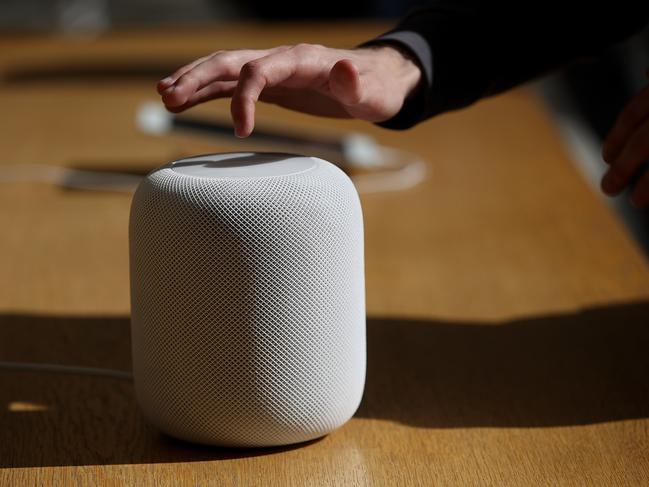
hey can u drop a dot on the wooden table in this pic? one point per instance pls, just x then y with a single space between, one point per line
508 309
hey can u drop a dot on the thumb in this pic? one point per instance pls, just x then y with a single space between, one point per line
345 83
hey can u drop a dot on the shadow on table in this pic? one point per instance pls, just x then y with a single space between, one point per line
569 369
572 369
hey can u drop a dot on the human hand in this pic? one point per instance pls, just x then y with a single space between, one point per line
626 148
366 83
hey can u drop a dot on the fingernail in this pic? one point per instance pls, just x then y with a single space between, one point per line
166 81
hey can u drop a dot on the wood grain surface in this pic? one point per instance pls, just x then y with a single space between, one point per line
508 310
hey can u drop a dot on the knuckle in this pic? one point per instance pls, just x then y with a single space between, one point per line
250 69
254 71
223 56
305 48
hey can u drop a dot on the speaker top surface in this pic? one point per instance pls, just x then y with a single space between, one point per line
243 165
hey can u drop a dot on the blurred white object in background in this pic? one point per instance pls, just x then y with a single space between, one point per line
82 15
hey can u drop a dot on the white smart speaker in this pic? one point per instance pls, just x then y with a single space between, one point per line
248 301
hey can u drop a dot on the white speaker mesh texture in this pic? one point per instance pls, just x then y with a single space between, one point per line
248 313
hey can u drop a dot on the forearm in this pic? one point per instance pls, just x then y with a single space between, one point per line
470 49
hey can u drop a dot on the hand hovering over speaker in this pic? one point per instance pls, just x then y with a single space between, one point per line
626 149
367 83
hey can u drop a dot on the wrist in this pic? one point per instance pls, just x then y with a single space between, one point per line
402 66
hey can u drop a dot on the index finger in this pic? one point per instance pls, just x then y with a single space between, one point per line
165 83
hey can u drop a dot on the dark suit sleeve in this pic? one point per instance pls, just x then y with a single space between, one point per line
469 49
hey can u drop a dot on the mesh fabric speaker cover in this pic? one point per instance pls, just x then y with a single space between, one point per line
248 312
